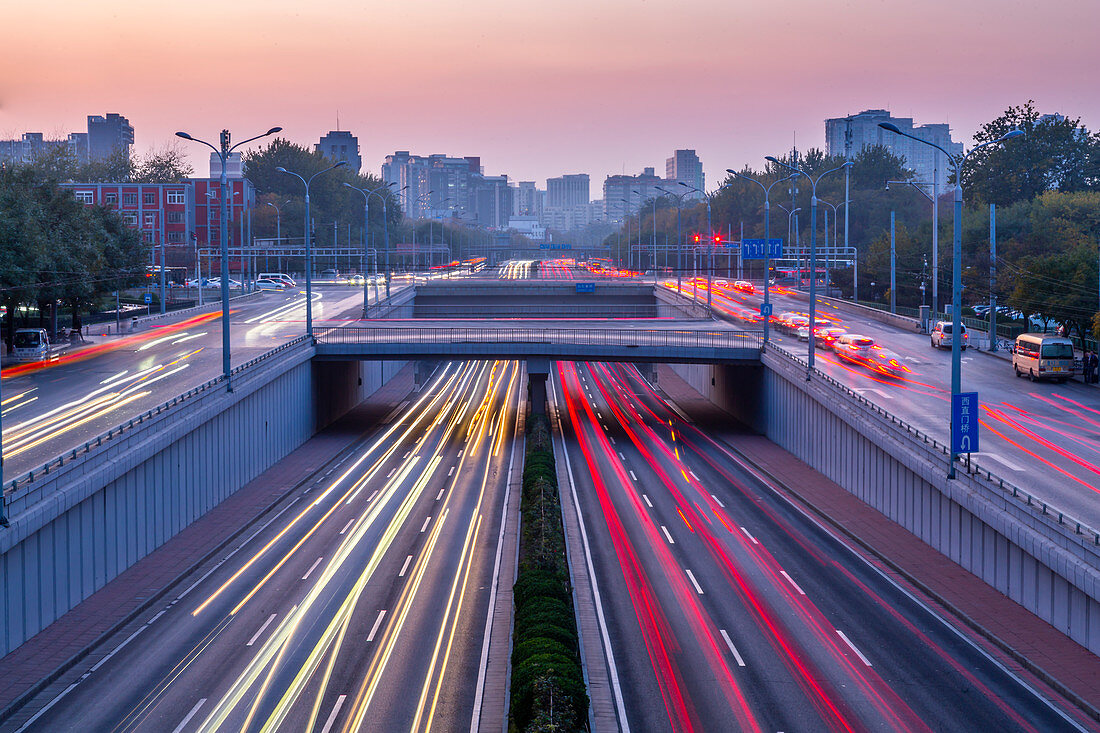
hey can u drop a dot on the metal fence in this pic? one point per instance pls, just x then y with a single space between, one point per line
659 338
130 424
1002 489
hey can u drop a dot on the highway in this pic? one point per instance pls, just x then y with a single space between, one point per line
1042 437
728 610
360 604
56 406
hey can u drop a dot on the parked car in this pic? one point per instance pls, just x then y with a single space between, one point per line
941 335
1042 356
269 284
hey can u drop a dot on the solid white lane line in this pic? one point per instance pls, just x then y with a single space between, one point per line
647 501
633 476
733 649
425 525
1002 460
667 535
405 566
451 471
439 495
348 525
256 636
859 654
791 581
186 720
718 500
311 567
694 581
747 534
377 623
49 705
332 716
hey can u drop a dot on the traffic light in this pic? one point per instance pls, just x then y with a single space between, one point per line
696 238
717 239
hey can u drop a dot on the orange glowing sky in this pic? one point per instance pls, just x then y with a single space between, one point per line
541 89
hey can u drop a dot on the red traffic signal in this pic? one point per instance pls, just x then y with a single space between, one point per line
717 238
696 238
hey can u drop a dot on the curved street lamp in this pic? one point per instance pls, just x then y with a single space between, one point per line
957 162
765 310
813 245
367 193
223 155
309 241
679 234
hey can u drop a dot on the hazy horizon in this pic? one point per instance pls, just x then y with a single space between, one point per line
540 91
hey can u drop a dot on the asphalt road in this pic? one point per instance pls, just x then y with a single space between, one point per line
728 610
360 604
51 408
1043 437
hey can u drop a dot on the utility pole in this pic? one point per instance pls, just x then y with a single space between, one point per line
893 269
992 277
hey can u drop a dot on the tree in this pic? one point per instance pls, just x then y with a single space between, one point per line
167 165
1055 153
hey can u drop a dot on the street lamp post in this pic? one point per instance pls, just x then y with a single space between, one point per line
813 247
957 162
626 216
679 235
836 216
367 193
309 242
934 197
710 238
767 235
223 155
278 230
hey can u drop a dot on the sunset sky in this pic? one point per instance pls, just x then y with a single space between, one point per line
542 89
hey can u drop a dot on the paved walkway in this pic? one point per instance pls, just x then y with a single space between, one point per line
1027 642
75 635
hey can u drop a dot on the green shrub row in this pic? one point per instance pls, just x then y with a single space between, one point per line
548 692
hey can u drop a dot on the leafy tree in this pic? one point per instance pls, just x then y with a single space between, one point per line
1055 153
167 165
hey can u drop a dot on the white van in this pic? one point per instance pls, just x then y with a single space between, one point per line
30 344
1043 356
279 277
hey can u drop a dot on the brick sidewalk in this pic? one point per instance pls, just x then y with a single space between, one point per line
73 636
1032 643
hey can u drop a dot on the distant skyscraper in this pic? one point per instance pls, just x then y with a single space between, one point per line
567 191
618 188
109 135
528 200
437 183
684 166
862 130
341 145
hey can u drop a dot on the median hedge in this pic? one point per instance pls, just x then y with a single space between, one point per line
548 691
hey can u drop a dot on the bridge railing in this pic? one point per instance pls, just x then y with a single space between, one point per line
623 337
997 486
136 421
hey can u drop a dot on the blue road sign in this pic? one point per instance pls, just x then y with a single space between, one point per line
964 422
753 249
555 245
766 309
148 299
586 287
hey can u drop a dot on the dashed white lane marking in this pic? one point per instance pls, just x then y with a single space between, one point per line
859 654
621 456
371 497
877 392
312 567
694 582
599 414
407 454
718 500
377 623
633 476
791 581
348 525
647 501
1003 461
256 636
439 495
391 473
425 525
667 535
733 649
611 439
405 566
451 471
693 474
747 534
332 716
187 719
117 649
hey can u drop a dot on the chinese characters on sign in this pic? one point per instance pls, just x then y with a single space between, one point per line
964 422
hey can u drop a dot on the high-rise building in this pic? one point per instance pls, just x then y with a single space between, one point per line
618 191
528 200
567 191
234 167
684 167
109 135
438 183
849 135
341 145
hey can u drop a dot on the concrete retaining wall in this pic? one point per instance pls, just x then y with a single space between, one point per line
76 528
1044 564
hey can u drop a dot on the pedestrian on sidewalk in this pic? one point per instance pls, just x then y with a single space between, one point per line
77 330
1086 367
1094 364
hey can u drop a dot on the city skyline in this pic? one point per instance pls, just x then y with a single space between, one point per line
605 89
